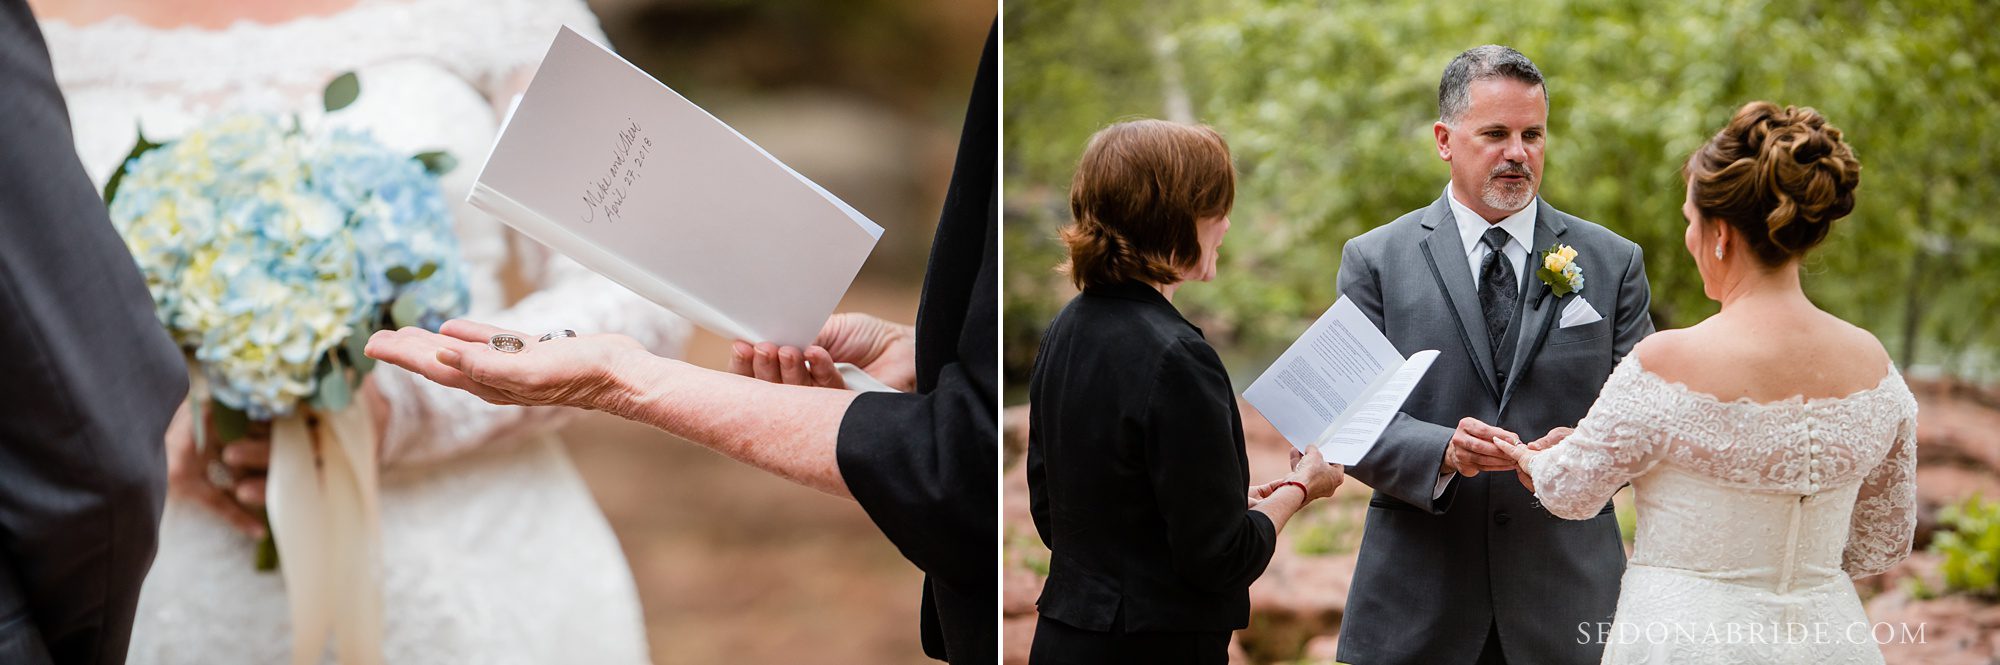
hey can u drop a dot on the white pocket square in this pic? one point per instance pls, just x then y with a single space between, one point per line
1579 312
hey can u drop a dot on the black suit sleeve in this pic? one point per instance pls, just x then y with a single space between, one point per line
1195 463
88 382
1038 498
924 464
1037 465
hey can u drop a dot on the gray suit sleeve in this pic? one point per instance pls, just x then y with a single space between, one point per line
1404 462
1634 316
88 382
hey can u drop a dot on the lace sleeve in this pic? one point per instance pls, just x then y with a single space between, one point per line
1885 512
1618 440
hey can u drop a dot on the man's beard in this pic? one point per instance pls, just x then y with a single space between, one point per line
1512 198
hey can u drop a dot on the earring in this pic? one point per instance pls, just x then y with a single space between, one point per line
1718 252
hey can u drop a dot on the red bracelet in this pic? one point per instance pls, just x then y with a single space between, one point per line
1304 496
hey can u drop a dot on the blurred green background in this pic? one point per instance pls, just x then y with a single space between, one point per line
1328 109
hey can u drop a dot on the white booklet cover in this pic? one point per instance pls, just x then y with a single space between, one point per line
1338 385
607 165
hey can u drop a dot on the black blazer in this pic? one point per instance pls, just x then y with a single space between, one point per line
1136 471
88 381
924 464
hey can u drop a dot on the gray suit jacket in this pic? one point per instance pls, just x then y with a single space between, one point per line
88 381
1436 574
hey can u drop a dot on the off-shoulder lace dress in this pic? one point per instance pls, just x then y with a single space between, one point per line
1752 517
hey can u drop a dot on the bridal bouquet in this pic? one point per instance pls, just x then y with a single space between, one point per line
272 254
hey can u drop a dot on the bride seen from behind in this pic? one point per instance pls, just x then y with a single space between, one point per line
493 549
1771 447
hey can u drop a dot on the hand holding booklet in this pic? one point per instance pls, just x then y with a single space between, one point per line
1338 385
605 164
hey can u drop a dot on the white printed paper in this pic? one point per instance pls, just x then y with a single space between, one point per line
605 164
1338 385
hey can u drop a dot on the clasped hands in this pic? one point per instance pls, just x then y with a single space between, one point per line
1477 447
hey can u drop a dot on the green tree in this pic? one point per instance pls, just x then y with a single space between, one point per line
1328 110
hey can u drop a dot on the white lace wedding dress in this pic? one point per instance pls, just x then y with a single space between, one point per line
494 550
1751 516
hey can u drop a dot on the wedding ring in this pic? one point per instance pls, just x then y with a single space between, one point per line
506 343
219 475
558 333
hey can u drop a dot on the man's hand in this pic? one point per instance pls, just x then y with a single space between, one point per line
1471 449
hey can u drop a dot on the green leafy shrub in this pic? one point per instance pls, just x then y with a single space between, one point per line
1969 542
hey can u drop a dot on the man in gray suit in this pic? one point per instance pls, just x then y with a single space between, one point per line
88 383
1459 564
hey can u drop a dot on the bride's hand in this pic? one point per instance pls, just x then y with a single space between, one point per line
569 371
1550 440
1521 453
886 351
221 477
229 477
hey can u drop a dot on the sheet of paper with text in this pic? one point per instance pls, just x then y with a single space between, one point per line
1338 386
607 165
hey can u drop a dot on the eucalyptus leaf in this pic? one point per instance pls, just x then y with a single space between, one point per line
429 268
437 162
139 147
405 312
342 91
334 392
401 275
230 424
267 547
356 347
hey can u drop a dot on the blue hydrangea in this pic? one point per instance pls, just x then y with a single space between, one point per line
265 249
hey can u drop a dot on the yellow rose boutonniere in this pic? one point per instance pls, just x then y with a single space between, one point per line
1560 271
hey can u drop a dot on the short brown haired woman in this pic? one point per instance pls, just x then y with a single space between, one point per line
1136 470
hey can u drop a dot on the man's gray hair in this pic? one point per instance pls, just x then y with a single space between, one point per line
1479 63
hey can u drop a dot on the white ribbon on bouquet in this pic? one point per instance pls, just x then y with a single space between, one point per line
326 519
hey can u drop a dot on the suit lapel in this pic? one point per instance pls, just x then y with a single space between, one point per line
1446 254
1540 316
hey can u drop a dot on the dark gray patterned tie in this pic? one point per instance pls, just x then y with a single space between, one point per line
1498 295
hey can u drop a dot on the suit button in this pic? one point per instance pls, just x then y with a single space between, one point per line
1501 517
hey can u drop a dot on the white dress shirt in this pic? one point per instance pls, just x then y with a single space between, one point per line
1520 228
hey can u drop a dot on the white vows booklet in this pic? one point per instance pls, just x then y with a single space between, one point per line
605 164
1338 385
